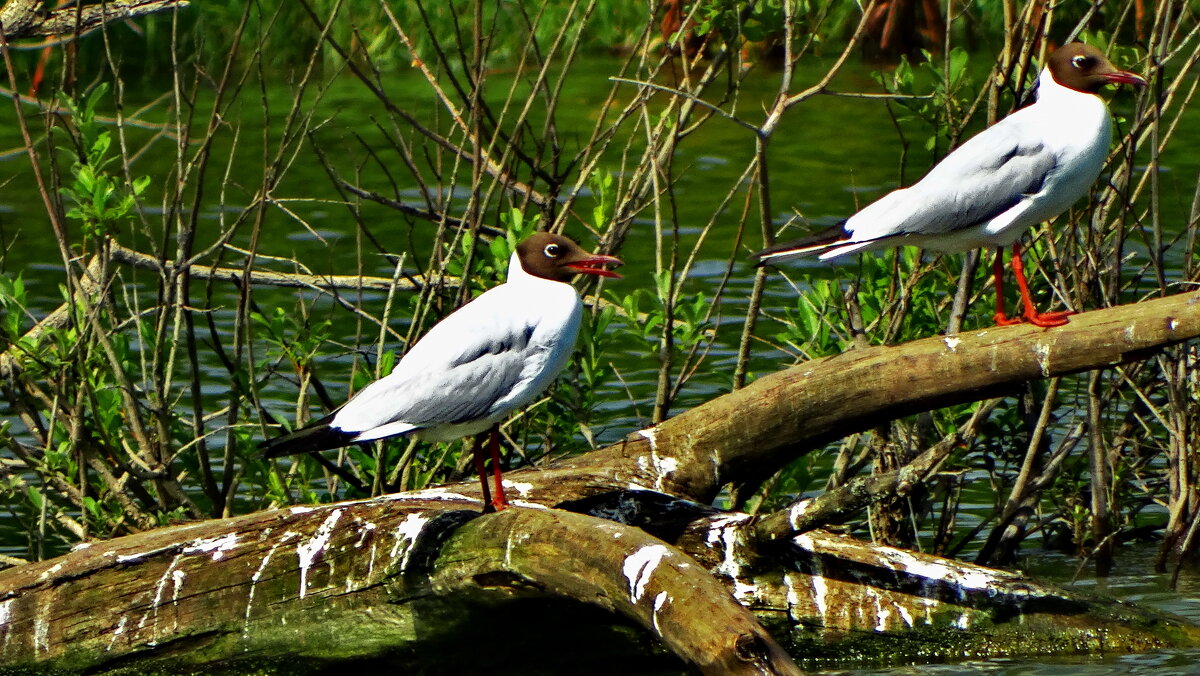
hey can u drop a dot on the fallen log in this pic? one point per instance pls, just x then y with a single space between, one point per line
395 573
359 579
381 580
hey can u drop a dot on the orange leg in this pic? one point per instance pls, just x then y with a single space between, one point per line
1000 318
1031 315
477 451
494 447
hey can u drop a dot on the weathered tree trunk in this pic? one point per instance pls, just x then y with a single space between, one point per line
382 579
385 579
363 579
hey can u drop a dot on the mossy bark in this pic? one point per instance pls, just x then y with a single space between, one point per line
396 580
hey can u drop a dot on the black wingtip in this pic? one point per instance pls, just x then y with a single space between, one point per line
805 246
319 436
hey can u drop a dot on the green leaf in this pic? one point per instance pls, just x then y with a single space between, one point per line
958 63
35 498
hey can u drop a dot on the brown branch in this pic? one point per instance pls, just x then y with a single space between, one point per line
89 284
755 430
60 316
296 280
837 505
22 18
415 212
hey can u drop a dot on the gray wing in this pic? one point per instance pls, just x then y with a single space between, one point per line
466 392
457 372
983 178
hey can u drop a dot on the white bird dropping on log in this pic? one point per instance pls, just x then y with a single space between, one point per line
487 359
1027 168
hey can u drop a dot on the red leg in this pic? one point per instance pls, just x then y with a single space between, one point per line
494 446
1000 318
1042 319
477 451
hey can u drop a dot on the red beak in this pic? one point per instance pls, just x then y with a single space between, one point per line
593 265
1125 77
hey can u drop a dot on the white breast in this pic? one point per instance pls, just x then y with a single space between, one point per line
1076 127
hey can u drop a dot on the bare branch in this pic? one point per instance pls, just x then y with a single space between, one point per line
21 18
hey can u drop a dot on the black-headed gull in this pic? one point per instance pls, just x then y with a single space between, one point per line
485 360
1025 169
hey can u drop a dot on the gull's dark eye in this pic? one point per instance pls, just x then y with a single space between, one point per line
552 250
1080 61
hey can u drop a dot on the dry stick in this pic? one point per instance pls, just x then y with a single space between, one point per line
31 459
539 83
691 363
762 136
410 210
1140 130
1021 485
296 127
11 358
667 334
1110 204
175 298
295 280
18 480
590 156
666 141
478 108
489 166
379 480
1101 477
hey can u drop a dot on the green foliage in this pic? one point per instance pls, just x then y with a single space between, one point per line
601 184
101 201
293 337
807 328
12 299
482 267
573 402
934 93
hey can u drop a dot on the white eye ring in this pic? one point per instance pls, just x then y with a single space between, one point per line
1079 61
552 250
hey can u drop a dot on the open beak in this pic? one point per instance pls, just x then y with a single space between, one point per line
1125 77
594 264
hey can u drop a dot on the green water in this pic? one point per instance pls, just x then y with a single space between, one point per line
830 155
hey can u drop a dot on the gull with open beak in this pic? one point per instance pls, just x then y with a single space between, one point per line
489 358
